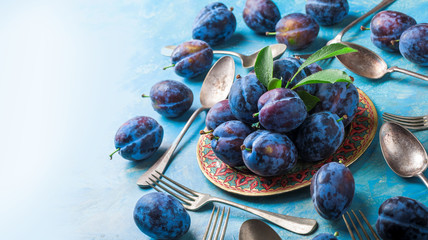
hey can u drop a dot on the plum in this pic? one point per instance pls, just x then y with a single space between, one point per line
340 98
227 140
192 58
281 110
414 44
327 12
215 24
313 68
218 114
296 30
161 216
402 218
171 98
138 138
332 190
325 236
243 97
319 136
387 26
285 69
268 154
261 15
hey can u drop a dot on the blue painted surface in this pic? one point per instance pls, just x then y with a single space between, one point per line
72 72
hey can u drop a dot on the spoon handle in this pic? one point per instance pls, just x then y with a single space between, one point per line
162 162
405 71
227 53
423 178
381 5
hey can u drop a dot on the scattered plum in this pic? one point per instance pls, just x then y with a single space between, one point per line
386 28
285 69
340 98
327 12
161 216
332 190
268 154
326 236
214 24
171 98
414 44
218 114
191 58
402 218
296 30
281 110
261 15
319 136
138 138
227 140
243 97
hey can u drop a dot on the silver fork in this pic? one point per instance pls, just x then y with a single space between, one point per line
193 200
223 232
360 224
415 123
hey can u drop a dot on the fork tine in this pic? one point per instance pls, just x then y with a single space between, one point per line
355 227
194 193
409 126
361 225
174 188
368 224
215 223
225 225
418 120
348 227
404 117
219 224
168 191
405 121
209 224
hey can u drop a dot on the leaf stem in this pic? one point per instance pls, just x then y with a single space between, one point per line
111 155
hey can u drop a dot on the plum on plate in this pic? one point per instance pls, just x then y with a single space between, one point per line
285 68
138 138
332 190
414 44
261 15
218 114
327 12
161 216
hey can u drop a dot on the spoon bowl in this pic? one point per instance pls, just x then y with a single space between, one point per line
403 152
254 229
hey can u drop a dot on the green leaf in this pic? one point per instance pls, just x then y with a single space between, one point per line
309 100
263 66
328 51
325 76
274 83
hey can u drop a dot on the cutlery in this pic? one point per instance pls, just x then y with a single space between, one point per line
193 200
255 229
403 152
415 123
223 232
339 36
246 60
360 224
215 88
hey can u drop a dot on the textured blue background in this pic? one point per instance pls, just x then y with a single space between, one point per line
71 72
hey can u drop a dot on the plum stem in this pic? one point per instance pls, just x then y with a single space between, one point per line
231 9
255 115
364 28
243 147
238 76
256 125
144 95
343 117
211 137
111 155
202 132
288 83
336 234
270 33
170 66
393 42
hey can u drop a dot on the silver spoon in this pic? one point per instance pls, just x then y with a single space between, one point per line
215 88
254 229
403 152
246 60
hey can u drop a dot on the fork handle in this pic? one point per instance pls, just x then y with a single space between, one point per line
294 224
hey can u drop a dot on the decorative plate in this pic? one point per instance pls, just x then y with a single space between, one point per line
241 181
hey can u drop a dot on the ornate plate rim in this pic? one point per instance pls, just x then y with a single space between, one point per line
308 182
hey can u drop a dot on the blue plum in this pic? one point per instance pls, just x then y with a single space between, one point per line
138 138
268 154
171 98
215 24
218 114
319 136
325 236
192 58
327 12
161 216
285 69
261 15
243 97
313 68
227 140
332 190
402 218
414 44
296 30
387 26
281 110
340 98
